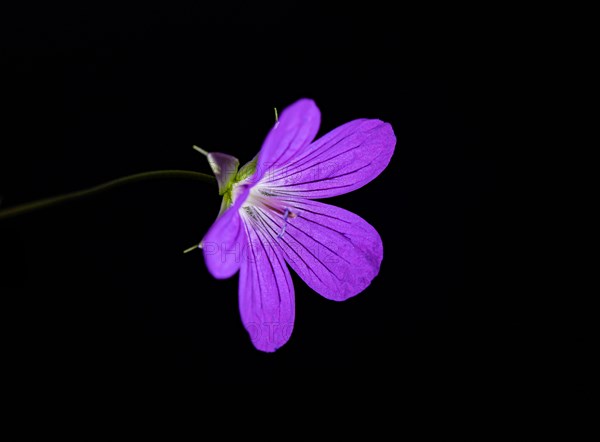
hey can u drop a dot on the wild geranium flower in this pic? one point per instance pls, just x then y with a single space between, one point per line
269 218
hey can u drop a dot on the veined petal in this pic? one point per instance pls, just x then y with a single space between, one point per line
297 127
224 243
266 292
341 161
334 251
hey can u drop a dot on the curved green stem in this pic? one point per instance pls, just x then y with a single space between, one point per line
55 200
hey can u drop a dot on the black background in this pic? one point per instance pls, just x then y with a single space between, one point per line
99 289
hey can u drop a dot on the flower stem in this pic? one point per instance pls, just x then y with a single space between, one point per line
55 200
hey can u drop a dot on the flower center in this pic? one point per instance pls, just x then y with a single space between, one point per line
259 198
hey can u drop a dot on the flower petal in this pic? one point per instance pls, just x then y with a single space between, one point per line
296 128
334 251
224 243
343 160
224 167
266 291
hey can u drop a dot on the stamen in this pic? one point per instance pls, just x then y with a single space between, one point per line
286 214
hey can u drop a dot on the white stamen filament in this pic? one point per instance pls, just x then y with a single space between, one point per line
273 204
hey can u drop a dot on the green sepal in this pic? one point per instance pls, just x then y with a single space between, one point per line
247 170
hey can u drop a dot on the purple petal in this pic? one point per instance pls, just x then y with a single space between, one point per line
297 127
224 167
343 160
334 251
223 246
266 292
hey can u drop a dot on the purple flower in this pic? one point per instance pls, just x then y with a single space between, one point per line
269 218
